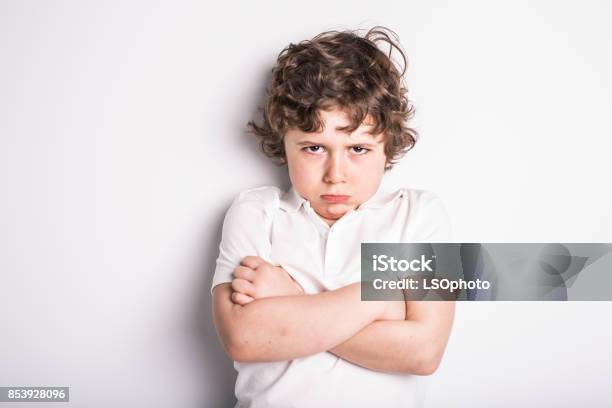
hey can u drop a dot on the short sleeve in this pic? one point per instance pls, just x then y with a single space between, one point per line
246 231
431 219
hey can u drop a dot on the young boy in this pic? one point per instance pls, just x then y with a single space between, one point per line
286 290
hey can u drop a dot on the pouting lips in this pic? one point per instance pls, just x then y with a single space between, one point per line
333 198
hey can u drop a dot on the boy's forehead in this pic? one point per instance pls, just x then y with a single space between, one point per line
360 135
333 121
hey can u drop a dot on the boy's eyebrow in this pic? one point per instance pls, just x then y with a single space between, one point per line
308 142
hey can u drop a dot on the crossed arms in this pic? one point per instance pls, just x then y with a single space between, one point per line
263 315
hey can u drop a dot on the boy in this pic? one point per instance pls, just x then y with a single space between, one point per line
286 291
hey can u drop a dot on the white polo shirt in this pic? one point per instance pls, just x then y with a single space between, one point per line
282 228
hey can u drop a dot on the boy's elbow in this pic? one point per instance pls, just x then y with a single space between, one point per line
235 327
236 353
238 347
428 364
239 351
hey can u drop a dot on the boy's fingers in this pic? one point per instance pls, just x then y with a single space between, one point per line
241 298
245 273
252 262
243 286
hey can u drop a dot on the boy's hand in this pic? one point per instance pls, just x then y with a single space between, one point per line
256 278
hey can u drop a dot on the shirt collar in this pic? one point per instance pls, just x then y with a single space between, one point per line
381 198
291 201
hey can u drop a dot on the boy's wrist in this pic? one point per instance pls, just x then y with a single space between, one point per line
378 309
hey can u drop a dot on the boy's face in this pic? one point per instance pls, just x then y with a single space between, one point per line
334 170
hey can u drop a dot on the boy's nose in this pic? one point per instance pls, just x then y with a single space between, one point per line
335 171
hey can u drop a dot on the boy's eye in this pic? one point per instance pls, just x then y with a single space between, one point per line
360 149
314 149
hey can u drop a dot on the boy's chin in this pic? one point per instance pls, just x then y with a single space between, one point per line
337 210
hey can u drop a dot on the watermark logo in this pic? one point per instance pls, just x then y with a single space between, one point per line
481 271
383 263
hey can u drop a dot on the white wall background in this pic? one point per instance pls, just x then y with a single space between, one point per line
122 145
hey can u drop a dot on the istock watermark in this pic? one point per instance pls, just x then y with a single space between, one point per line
486 271
383 263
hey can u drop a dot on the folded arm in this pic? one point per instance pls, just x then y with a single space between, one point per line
406 338
415 345
287 327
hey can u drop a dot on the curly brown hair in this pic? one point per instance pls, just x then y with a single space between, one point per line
344 70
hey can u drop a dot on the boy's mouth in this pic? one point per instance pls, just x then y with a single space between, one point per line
333 198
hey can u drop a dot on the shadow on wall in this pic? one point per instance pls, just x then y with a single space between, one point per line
218 369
